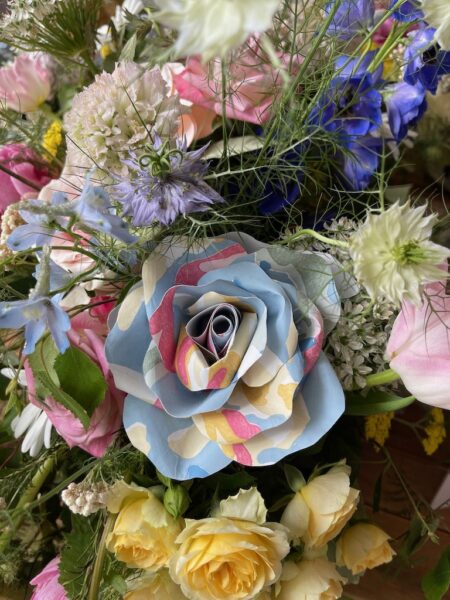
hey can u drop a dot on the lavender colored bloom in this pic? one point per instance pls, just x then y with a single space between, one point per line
164 183
406 104
408 11
352 17
426 63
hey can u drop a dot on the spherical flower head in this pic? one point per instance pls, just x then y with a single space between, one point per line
213 27
119 112
26 83
437 14
393 256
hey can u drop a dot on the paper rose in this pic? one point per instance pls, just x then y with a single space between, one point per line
219 350
419 347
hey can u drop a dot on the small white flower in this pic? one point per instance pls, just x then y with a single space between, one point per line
393 255
37 426
213 27
437 14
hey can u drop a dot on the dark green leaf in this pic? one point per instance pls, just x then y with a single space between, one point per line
77 556
81 378
375 402
436 583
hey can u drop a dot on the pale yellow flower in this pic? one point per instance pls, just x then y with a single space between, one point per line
393 256
437 14
363 546
315 579
158 586
229 558
144 533
319 510
213 27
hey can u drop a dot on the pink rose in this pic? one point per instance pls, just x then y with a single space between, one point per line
24 162
253 85
419 347
26 83
87 334
70 260
47 586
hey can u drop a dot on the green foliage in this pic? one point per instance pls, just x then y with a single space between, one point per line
72 379
436 583
375 402
294 477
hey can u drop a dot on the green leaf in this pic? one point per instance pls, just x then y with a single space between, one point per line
51 389
294 477
81 378
77 556
129 50
375 402
43 359
436 583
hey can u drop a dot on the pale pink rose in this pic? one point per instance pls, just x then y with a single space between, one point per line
26 83
47 586
87 334
70 260
21 160
419 347
253 85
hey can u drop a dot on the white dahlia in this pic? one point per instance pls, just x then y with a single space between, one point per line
213 27
437 14
119 112
393 255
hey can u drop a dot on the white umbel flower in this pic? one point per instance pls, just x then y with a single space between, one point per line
213 27
37 426
437 14
393 256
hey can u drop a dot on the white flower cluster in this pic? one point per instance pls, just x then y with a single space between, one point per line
9 221
119 112
22 13
85 498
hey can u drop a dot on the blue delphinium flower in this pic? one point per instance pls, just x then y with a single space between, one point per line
425 61
359 162
409 11
406 104
38 313
164 183
351 17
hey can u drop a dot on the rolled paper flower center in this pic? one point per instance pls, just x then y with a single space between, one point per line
214 329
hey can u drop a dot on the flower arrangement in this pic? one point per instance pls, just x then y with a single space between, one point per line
211 289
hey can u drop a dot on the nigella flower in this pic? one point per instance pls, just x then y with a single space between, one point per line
426 62
163 183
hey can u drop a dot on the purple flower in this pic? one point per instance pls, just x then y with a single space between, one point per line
406 104
426 63
408 11
360 162
163 183
352 17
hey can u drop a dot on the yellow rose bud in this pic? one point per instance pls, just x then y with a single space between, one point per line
320 509
227 558
159 586
363 546
144 533
315 579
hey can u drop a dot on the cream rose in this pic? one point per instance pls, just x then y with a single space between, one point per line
159 586
315 579
320 509
144 533
233 555
363 546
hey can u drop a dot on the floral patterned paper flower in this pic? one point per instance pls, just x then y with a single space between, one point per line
219 350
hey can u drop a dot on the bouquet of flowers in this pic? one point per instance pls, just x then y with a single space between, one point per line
213 287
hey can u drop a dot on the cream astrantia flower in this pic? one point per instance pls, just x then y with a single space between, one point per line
321 508
363 546
437 14
118 112
213 27
393 255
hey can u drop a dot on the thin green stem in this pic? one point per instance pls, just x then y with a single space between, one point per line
317 236
382 378
101 553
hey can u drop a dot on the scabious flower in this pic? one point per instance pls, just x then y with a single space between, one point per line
437 14
406 104
119 112
425 63
351 17
393 255
164 183
26 83
213 27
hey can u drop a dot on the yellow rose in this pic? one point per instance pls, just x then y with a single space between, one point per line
322 507
363 546
159 586
228 558
144 533
315 579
